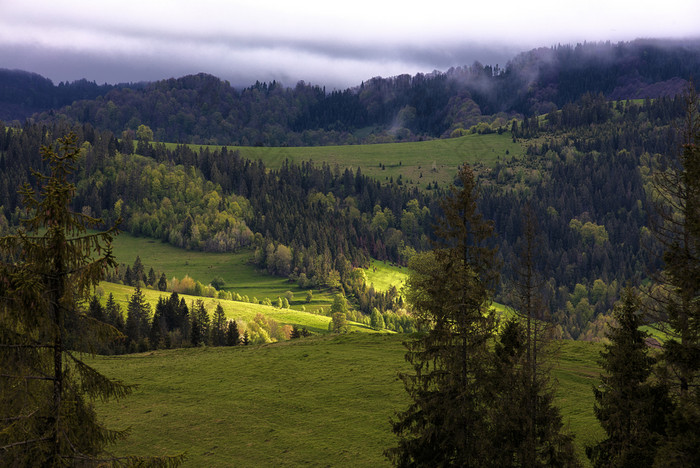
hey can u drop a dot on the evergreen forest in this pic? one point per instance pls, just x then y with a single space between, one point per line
590 233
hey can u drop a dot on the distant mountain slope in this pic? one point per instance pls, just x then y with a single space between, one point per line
23 93
204 109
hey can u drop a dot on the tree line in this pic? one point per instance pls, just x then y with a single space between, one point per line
588 179
204 109
480 395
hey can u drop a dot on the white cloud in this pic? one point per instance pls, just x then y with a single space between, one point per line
323 42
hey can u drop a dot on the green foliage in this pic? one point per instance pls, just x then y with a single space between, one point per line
677 228
137 321
218 283
450 290
376 320
144 133
340 304
630 407
339 323
233 336
48 269
176 204
219 327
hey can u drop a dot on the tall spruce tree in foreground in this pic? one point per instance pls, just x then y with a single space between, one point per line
677 297
527 426
630 407
47 272
450 290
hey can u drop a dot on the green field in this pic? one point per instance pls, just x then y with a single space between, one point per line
233 309
240 276
319 401
383 275
418 163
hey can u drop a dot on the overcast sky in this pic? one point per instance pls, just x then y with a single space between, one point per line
336 44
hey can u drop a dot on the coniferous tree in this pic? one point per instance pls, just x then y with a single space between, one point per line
96 311
218 330
151 277
128 276
47 269
450 289
137 271
162 283
527 427
630 408
203 322
195 332
159 330
232 335
137 325
677 305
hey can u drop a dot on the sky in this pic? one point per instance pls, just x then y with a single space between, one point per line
332 44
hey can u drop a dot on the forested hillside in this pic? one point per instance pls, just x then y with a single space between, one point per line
23 93
585 174
204 109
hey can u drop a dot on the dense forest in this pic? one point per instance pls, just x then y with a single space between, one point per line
585 173
203 109
590 153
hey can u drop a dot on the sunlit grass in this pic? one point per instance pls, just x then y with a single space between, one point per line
320 401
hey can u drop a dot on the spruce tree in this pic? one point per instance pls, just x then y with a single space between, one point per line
138 321
151 277
47 270
528 427
203 321
677 295
218 331
450 290
232 335
162 282
137 271
630 407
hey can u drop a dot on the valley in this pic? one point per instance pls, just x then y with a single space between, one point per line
305 278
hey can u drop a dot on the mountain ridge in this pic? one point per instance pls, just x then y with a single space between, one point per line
202 108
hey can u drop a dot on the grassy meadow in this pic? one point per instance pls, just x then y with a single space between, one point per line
383 275
240 311
318 401
240 276
418 163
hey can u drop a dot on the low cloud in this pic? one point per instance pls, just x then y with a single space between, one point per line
336 45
